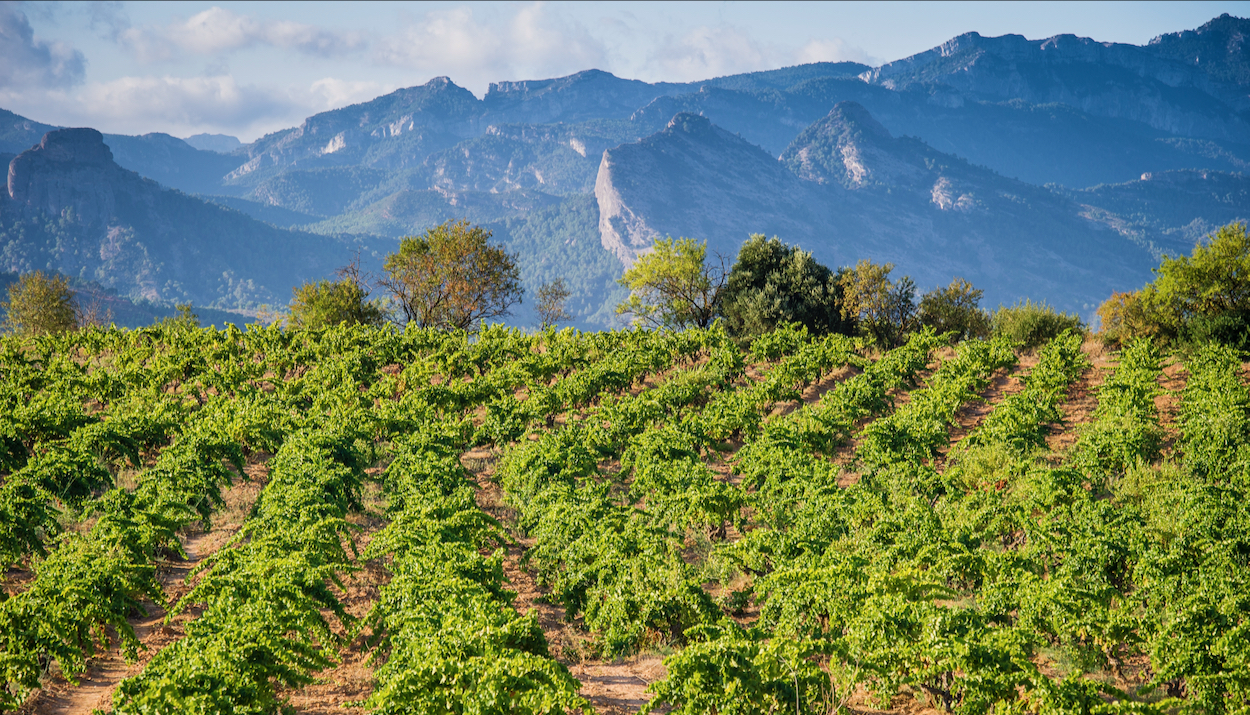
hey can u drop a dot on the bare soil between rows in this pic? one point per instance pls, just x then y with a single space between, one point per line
108 668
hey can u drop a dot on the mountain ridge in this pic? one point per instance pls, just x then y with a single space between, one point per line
935 162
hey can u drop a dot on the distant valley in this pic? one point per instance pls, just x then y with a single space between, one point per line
1057 169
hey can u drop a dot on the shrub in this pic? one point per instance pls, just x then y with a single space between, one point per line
184 317
1032 324
323 303
552 303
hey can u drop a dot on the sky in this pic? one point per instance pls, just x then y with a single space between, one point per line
250 68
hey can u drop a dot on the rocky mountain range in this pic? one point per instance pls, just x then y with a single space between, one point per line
1057 169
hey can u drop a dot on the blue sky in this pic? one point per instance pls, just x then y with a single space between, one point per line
248 68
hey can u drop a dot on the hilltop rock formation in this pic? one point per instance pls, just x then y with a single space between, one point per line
70 173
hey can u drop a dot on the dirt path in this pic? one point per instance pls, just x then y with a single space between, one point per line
106 670
969 417
342 689
612 687
1169 402
1081 402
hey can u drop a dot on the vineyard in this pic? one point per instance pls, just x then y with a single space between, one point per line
363 520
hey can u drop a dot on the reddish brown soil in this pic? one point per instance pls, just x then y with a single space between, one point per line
1169 402
107 669
1082 400
845 456
970 416
343 688
612 687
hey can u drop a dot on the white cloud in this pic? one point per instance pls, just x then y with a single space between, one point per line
182 101
217 31
330 93
183 106
532 43
705 52
835 50
29 62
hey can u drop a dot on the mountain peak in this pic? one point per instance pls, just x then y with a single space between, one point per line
853 116
847 147
1221 48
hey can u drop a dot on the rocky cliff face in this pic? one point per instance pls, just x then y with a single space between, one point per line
70 172
697 180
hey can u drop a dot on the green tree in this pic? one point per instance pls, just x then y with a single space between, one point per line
452 277
673 286
772 283
885 309
40 304
551 305
955 308
184 316
1202 297
323 303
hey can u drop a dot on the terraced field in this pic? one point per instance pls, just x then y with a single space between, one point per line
356 520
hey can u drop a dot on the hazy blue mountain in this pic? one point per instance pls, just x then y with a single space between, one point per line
1170 211
1101 78
220 143
171 161
390 132
400 130
1058 169
70 208
1221 48
846 189
270 214
17 133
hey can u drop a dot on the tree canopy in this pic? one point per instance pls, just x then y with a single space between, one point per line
40 304
323 303
673 286
773 283
955 309
885 309
452 277
1201 297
